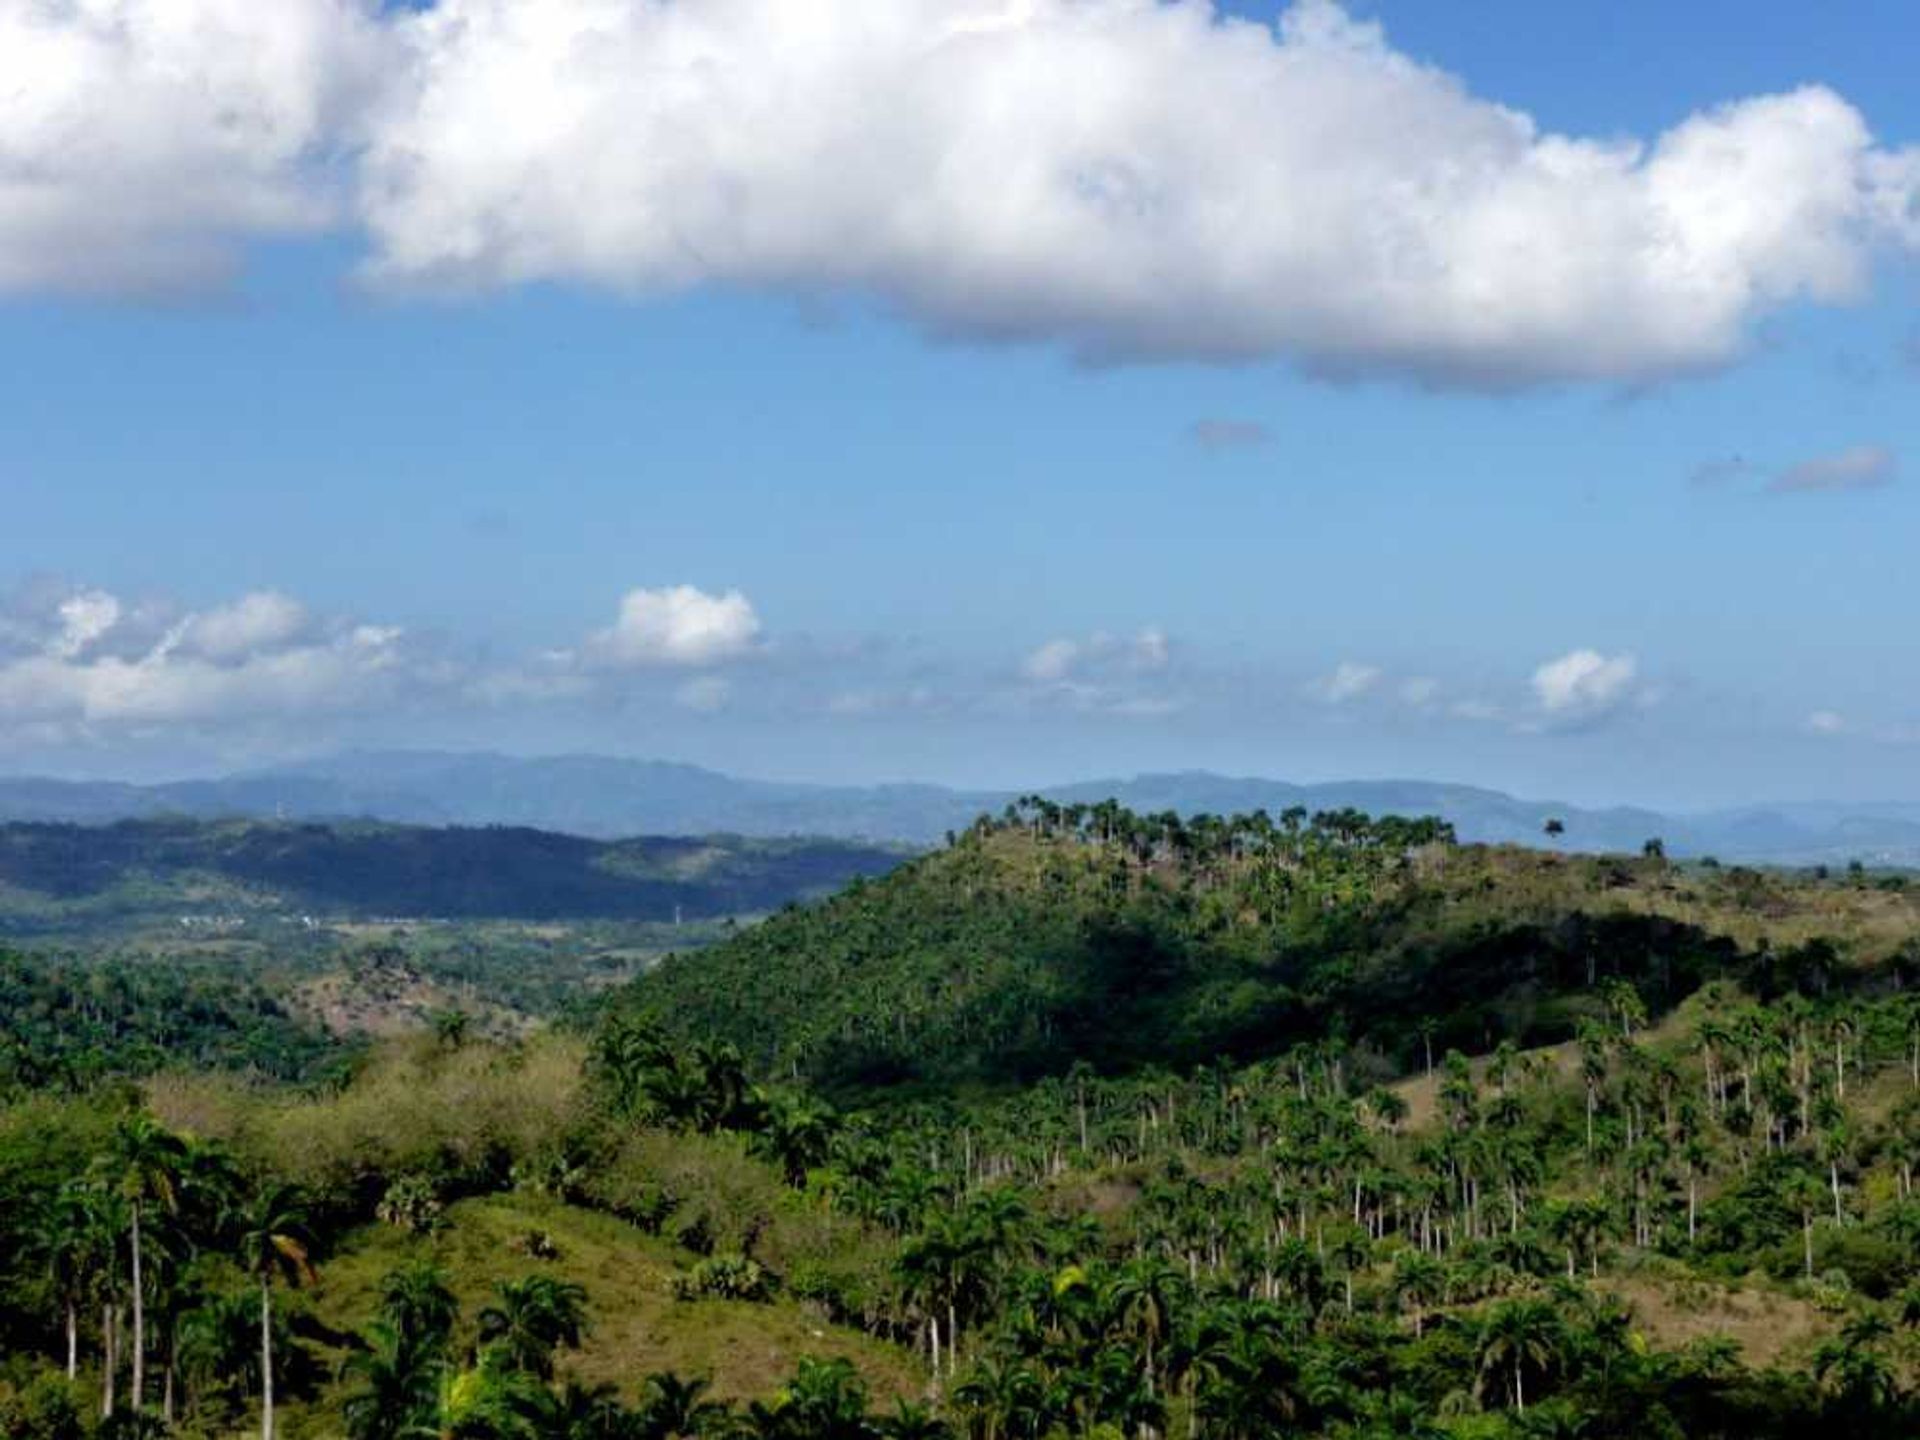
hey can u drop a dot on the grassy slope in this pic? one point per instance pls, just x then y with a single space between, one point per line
638 1327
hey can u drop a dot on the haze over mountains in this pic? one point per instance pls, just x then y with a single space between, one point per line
609 797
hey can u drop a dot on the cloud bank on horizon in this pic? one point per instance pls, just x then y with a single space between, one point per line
1131 181
81 664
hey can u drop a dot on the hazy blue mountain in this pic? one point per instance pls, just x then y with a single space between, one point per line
606 797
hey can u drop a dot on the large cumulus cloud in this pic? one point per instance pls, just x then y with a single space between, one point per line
1129 179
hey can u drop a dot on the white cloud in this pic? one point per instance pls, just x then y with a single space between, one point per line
260 620
1348 680
1052 662
1419 691
1864 467
87 659
141 140
1133 180
677 625
1584 683
1061 660
1827 722
84 618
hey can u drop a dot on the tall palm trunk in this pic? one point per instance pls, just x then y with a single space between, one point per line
73 1340
109 1361
266 1359
139 1322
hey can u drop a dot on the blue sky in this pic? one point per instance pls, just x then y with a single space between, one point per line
989 521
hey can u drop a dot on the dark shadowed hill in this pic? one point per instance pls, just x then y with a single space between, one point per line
50 872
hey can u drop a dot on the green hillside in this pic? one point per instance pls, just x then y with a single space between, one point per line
1091 1126
1090 934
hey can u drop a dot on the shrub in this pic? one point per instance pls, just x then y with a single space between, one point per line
725 1277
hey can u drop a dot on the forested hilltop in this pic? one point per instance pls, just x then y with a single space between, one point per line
1091 1124
1089 933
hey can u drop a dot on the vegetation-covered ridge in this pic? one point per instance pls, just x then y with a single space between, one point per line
1518 1147
1085 932
214 873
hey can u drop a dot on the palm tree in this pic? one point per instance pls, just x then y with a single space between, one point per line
914 1422
416 1302
399 1385
675 1409
797 1134
1852 1365
530 1318
1419 1280
585 1412
1519 1335
1143 1296
273 1245
74 1251
146 1161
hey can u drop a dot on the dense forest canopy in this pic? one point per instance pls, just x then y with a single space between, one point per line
1063 933
1089 1125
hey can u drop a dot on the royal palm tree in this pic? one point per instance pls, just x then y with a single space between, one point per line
145 1164
1518 1336
75 1250
416 1302
530 1318
273 1245
398 1386
673 1408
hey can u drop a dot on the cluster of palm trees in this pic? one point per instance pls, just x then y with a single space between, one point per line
165 1257
704 1087
411 1381
1292 1193
1207 841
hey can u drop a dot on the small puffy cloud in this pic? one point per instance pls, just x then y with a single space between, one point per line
1102 673
1051 662
1061 660
677 625
1827 722
1349 680
1419 691
1219 436
1864 467
1584 683
84 618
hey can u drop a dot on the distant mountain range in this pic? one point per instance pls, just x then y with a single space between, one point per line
606 797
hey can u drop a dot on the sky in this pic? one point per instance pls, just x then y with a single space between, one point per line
979 391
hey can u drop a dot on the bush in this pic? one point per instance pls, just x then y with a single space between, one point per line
725 1277
42 1408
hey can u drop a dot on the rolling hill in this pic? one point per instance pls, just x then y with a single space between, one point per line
53 874
1122 940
